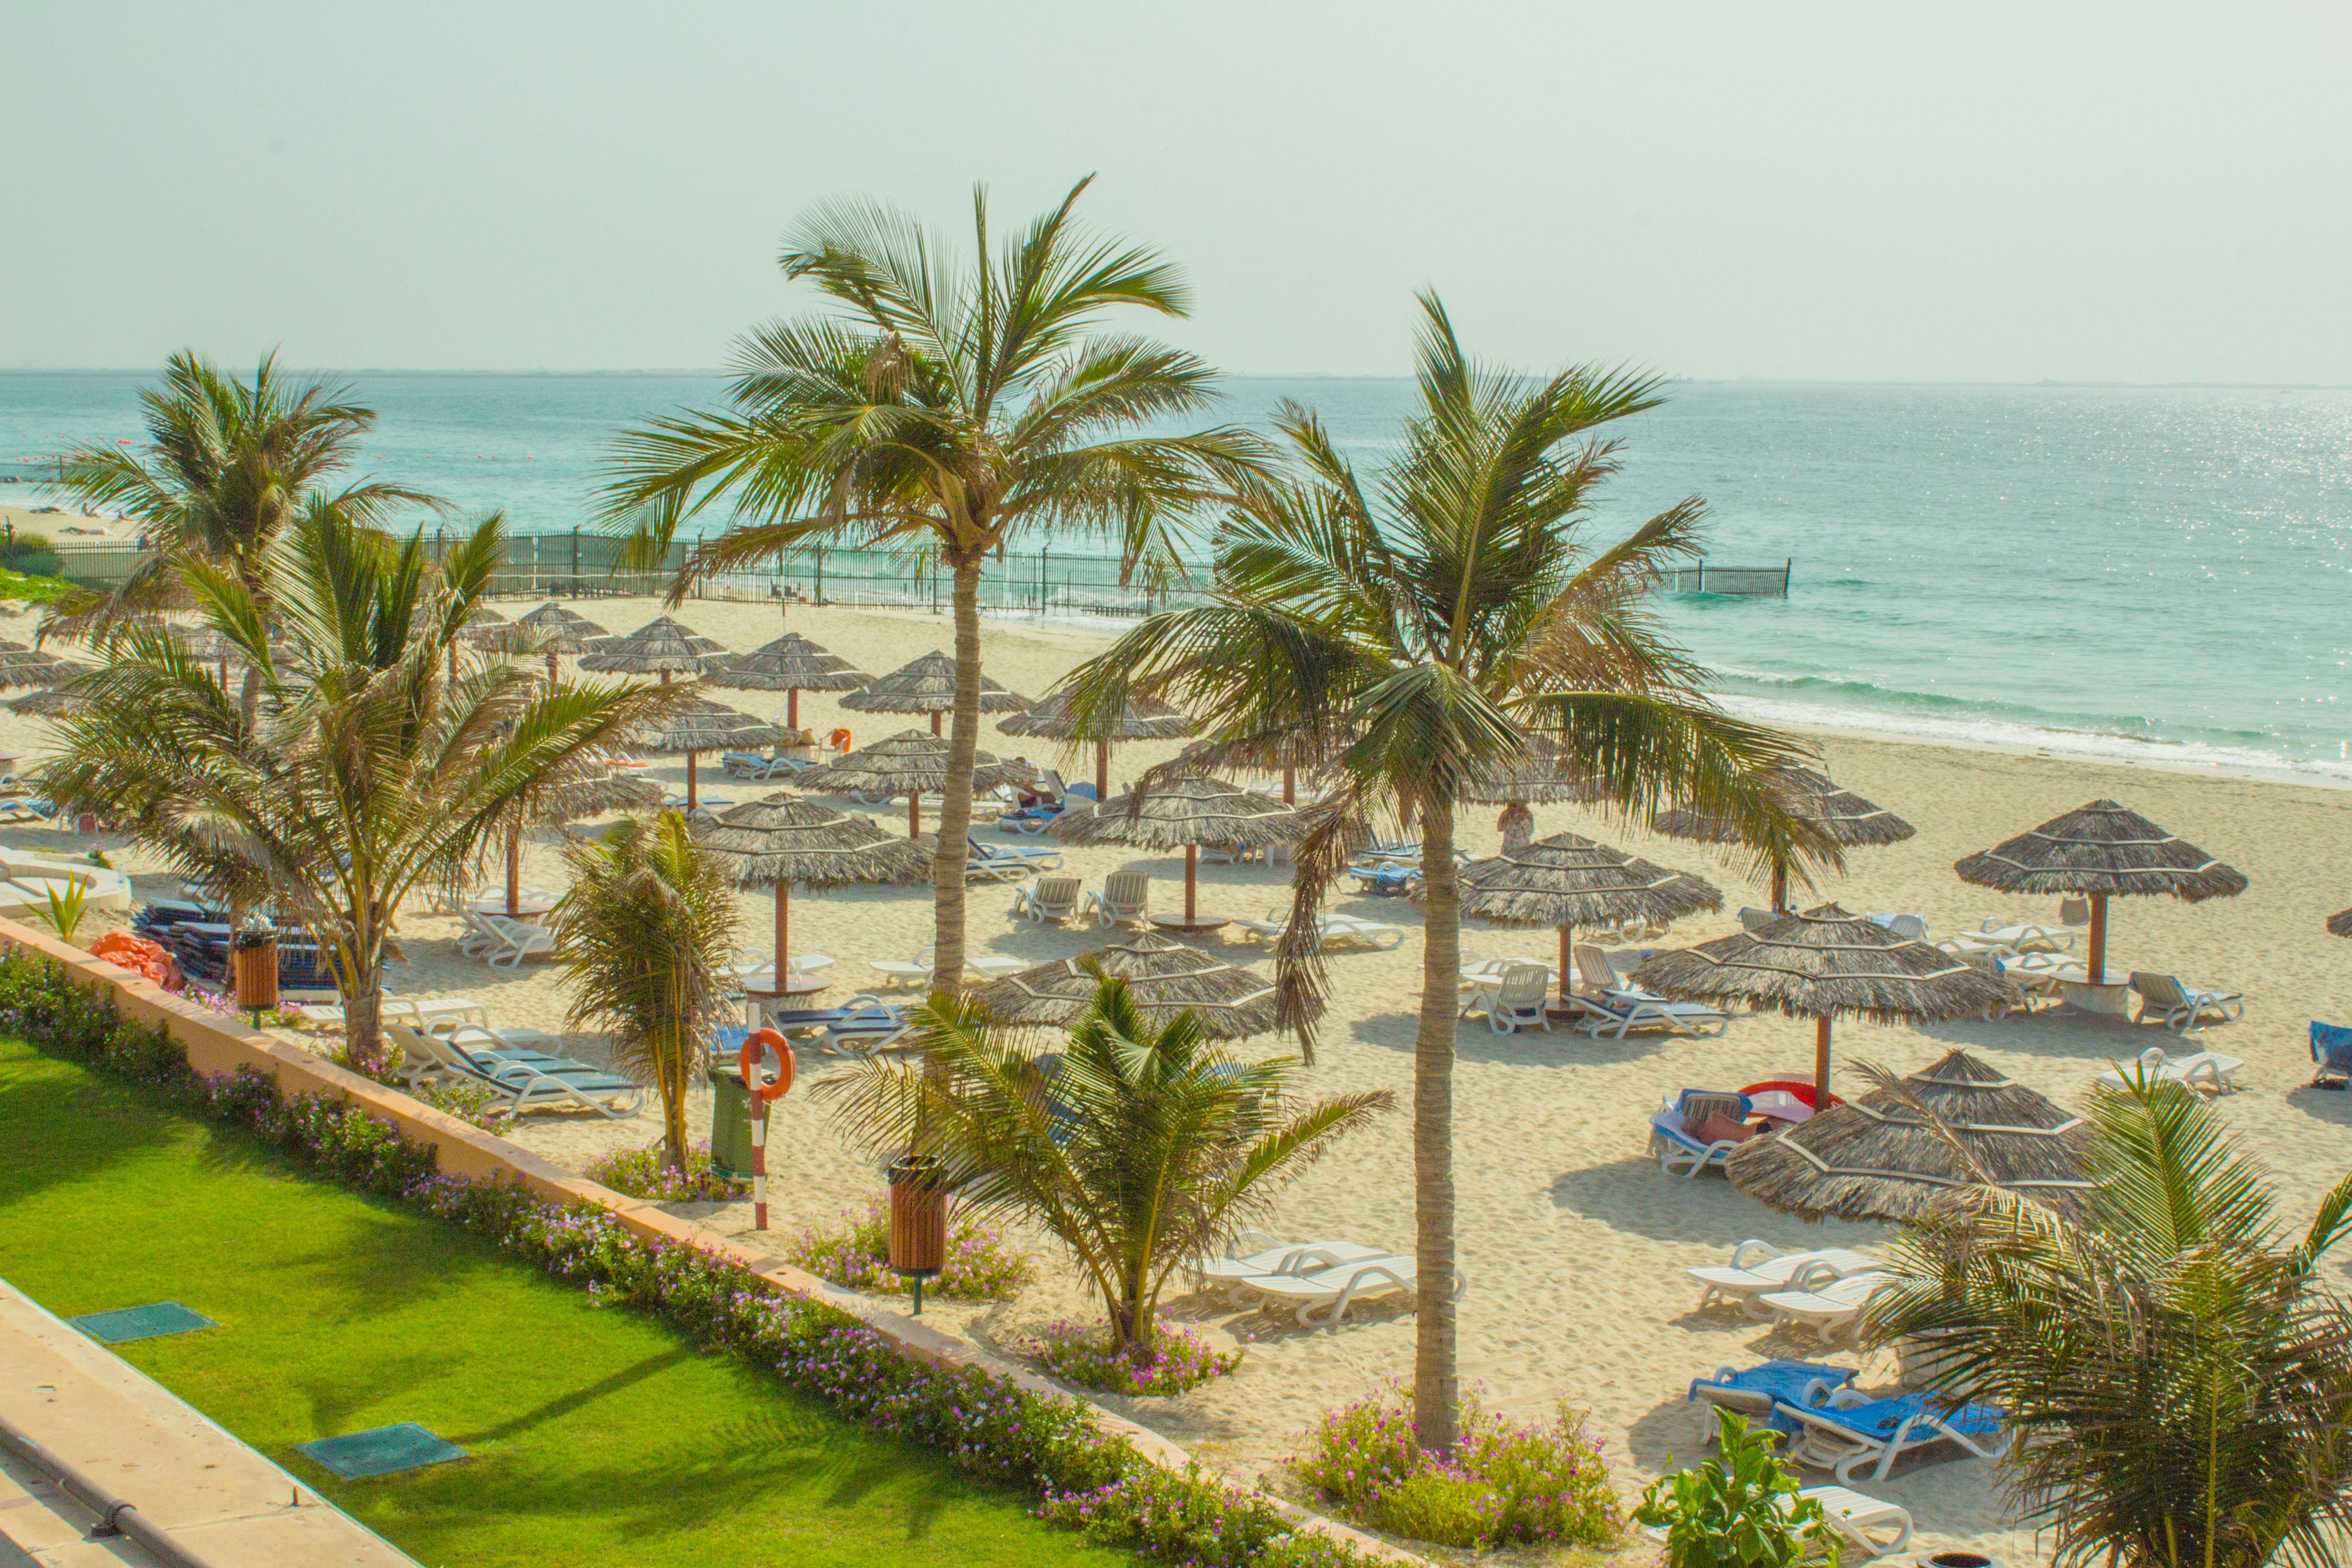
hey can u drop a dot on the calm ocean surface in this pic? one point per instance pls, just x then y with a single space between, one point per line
2154 573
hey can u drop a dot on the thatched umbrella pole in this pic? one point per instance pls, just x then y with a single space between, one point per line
1290 792
1821 1060
783 923
1191 882
2098 964
514 870
1102 769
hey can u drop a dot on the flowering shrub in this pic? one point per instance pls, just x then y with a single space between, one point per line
982 1264
986 1426
1084 1353
644 1173
1193 1518
1504 1483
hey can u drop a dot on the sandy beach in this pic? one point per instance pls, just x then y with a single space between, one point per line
1573 1241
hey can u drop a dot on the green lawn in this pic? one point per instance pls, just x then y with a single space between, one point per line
595 1437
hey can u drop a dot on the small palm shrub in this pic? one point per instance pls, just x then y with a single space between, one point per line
646 1174
855 1251
1089 1355
1502 1484
1740 1509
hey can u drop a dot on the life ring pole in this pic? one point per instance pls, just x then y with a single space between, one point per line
758 1163
761 1092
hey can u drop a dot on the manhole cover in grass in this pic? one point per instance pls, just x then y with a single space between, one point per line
381 1450
140 1322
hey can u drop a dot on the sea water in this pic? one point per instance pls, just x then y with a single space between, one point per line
2154 573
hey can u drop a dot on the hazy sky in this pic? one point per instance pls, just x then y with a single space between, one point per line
2120 191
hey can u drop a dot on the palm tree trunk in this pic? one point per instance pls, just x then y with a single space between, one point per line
674 1090
248 701
362 984
955 812
1436 1386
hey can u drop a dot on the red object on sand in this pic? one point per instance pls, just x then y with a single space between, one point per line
142 957
1801 1087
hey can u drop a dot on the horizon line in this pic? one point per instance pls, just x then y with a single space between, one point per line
714 374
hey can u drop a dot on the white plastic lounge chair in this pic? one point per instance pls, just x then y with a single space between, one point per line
915 970
2022 936
1613 1009
1753 919
2184 1009
1911 928
419 1011
1515 999
1677 1150
1269 930
1268 1254
1010 854
1322 1296
1371 934
1854 1431
2198 1069
1832 1309
1048 898
506 942
1858 1517
1757 1267
1124 898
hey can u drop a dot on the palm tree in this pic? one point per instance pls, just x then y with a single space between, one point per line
363 769
2177 1370
943 411
646 932
1416 635
1138 1146
232 467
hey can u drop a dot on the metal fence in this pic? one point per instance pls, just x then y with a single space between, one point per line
583 564
1748 582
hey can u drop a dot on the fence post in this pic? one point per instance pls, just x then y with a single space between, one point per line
820 573
1787 567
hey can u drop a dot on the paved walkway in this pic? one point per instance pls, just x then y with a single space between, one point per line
91 1409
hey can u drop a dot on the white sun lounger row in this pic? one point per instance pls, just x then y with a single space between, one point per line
1330 930
1320 1279
1758 1267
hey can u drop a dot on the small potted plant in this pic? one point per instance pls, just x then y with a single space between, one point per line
1740 1509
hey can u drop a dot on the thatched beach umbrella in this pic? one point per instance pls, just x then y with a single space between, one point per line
1878 1158
661 647
1142 719
1184 813
1568 882
792 665
1541 777
1849 820
1287 754
927 686
556 630
2102 849
692 724
48 702
1163 976
908 762
1826 963
782 843
24 666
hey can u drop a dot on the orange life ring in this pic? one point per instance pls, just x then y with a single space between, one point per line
840 739
750 1060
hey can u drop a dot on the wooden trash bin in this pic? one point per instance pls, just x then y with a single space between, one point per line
919 1221
253 965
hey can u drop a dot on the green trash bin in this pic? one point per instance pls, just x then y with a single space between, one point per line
731 1123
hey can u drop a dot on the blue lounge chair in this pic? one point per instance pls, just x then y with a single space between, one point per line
1679 1154
1385 879
1035 819
2331 1049
1852 1431
1755 1391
